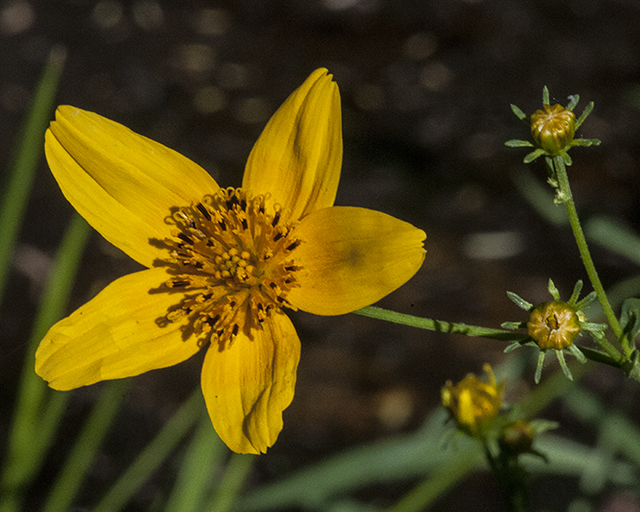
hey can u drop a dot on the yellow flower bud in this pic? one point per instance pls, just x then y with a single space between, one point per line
472 402
553 128
553 325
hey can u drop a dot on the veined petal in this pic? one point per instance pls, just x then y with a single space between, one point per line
122 183
298 157
114 335
247 386
352 257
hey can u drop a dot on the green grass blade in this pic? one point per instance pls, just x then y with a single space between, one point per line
32 430
234 477
153 455
614 237
24 162
202 461
86 446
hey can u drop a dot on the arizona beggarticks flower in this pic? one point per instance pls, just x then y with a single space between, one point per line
555 325
221 262
553 129
472 402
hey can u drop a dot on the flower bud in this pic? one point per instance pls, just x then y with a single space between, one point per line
517 437
553 325
472 402
553 128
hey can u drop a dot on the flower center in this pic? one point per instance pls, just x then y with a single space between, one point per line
232 260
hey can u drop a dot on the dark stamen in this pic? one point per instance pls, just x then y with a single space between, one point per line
293 246
203 211
185 238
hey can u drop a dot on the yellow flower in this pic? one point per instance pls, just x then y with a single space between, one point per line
221 262
472 402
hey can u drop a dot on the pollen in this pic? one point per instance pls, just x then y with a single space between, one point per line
232 258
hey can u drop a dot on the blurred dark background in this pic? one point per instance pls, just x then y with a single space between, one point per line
426 88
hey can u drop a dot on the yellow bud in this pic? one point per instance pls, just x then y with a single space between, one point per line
472 402
553 128
553 325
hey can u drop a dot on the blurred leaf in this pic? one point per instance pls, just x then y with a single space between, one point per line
614 237
24 161
86 446
36 419
201 464
154 454
540 197
630 318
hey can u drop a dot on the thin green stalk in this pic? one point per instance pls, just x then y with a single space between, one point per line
440 325
232 482
581 241
153 455
86 446
24 162
612 359
35 419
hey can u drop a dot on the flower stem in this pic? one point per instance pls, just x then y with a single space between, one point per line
440 325
612 358
510 477
563 182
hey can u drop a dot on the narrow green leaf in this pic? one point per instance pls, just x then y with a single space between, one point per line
86 446
24 162
201 463
153 455
35 420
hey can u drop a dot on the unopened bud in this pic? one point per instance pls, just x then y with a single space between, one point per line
553 128
553 325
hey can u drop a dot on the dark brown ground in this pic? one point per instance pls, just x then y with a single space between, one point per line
426 88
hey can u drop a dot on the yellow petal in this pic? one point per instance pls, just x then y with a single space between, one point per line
352 257
114 335
247 386
122 183
298 157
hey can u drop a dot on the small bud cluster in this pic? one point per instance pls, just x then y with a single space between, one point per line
472 402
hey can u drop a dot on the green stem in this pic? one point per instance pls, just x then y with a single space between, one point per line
563 182
440 325
612 357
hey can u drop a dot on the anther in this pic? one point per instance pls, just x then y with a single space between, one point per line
203 211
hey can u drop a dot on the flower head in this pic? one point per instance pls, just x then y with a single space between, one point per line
555 325
553 128
222 263
472 402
